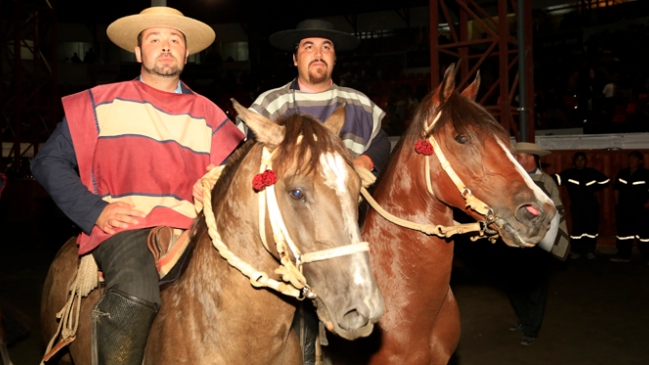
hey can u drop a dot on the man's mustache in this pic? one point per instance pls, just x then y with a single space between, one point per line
319 60
166 55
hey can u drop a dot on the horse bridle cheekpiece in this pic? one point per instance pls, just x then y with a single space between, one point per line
290 272
471 200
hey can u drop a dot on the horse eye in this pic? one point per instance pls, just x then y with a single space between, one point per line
297 194
461 139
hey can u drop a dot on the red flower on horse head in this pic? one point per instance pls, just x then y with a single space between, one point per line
424 147
261 181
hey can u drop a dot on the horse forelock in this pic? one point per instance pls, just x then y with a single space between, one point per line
306 139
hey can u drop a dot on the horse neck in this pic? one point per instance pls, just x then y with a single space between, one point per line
402 190
401 257
210 279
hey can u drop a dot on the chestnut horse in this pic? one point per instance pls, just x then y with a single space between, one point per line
471 159
212 314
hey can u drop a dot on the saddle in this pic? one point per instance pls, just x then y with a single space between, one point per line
169 248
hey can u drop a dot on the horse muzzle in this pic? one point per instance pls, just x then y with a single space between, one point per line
355 322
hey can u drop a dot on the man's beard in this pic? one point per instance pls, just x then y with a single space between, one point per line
318 77
163 72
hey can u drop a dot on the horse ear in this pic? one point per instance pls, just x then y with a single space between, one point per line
267 132
336 120
472 90
447 86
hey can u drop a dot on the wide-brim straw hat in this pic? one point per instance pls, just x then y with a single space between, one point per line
313 28
124 31
531 148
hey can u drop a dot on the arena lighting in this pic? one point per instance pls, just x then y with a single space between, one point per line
570 6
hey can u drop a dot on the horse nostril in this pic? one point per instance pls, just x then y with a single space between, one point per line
353 320
527 213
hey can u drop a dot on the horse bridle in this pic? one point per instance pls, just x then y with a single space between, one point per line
471 200
291 272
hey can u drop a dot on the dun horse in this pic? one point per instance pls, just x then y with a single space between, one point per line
469 156
212 314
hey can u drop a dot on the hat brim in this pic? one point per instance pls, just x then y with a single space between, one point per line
539 153
124 31
287 39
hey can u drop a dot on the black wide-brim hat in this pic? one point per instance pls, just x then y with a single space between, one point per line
287 39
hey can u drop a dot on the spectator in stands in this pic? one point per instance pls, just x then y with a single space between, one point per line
582 182
632 208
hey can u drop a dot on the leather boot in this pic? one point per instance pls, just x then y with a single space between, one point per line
120 327
305 324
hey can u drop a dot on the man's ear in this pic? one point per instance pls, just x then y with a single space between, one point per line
186 55
138 54
294 60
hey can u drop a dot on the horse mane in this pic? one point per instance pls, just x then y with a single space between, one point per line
316 140
465 115
220 188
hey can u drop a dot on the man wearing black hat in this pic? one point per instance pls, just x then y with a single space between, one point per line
314 44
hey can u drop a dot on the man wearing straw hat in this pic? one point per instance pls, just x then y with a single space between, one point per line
140 148
314 44
528 289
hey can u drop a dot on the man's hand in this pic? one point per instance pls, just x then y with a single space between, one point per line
197 190
364 161
118 215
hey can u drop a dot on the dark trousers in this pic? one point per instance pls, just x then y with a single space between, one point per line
128 265
585 227
632 224
527 287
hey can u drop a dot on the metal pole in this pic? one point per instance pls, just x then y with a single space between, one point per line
504 103
434 45
522 70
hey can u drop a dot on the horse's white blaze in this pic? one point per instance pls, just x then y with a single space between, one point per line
336 176
538 193
334 171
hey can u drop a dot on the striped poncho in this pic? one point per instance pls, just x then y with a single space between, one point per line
361 133
146 147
